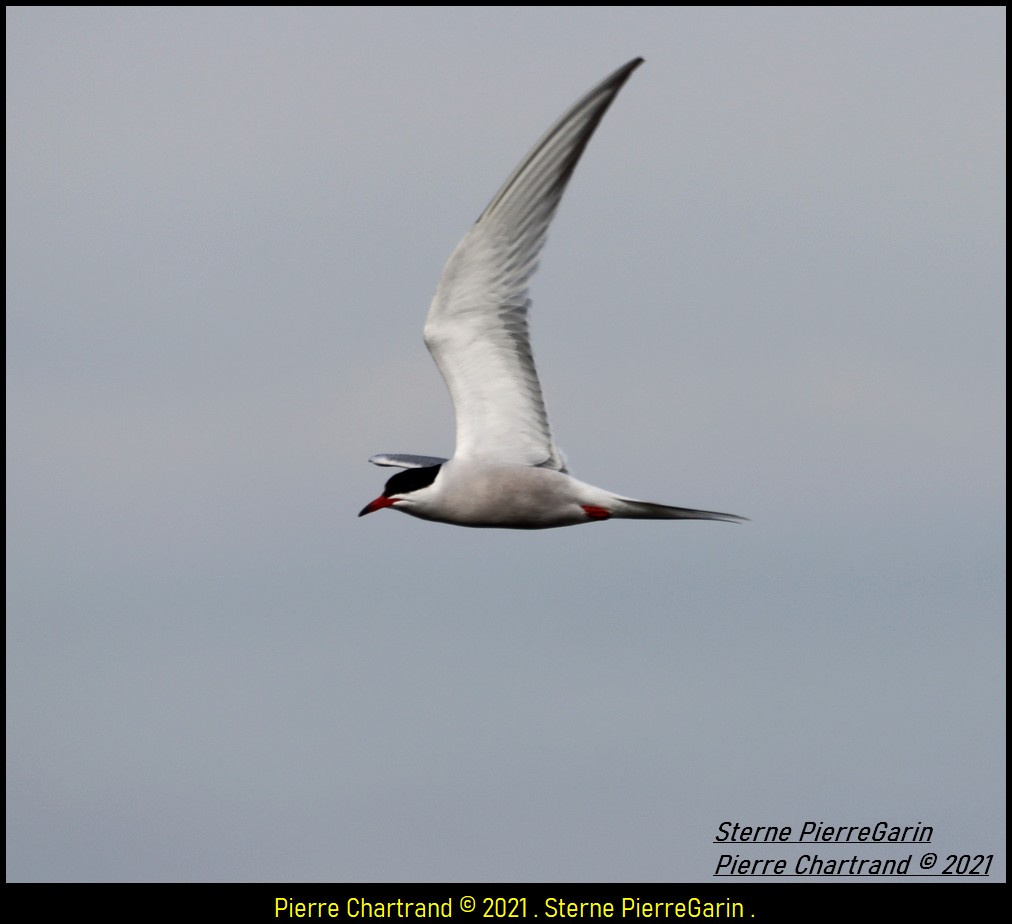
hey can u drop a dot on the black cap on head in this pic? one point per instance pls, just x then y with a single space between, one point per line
411 479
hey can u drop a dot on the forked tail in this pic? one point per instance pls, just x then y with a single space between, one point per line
644 510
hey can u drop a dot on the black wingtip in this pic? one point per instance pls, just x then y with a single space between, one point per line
622 74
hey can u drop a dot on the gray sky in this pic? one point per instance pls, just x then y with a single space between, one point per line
775 287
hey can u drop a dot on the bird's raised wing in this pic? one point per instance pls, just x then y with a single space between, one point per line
477 327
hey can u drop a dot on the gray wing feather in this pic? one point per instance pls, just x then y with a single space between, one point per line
404 460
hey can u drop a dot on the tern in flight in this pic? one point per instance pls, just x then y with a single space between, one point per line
506 470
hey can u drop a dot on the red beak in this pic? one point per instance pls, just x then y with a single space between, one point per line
377 504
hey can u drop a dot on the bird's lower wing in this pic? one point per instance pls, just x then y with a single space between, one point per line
403 460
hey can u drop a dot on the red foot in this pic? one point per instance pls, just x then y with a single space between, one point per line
596 513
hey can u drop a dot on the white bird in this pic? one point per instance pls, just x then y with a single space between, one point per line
506 470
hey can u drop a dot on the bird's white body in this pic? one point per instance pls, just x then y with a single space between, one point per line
506 470
503 494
